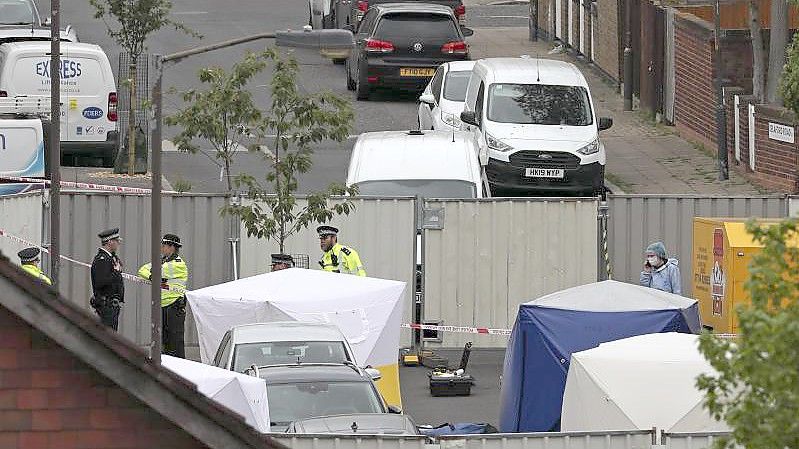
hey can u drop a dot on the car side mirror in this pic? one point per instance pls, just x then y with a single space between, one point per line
469 117
605 123
374 374
394 409
349 27
467 32
47 21
427 99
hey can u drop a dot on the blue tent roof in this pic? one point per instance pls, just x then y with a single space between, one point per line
548 330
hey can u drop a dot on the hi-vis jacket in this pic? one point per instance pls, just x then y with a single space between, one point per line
341 259
174 276
36 272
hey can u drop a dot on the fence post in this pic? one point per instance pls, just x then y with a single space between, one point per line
604 268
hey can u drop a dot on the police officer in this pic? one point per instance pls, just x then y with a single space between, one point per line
336 257
174 277
29 259
107 285
281 262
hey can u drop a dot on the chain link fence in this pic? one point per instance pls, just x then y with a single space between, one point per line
143 89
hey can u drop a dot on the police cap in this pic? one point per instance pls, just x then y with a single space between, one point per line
109 234
28 255
326 230
282 258
171 239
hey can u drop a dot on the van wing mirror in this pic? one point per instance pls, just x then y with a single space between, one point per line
469 117
373 373
467 32
47 21
605 123
427 99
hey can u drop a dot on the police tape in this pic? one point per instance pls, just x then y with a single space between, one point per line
85 185
457 329
14 238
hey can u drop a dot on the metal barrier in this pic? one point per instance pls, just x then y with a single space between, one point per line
326 441
552 440
704 440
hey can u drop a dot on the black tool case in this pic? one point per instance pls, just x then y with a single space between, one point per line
449 385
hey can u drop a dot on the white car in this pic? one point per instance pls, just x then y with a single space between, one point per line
20 21
441 103
282 343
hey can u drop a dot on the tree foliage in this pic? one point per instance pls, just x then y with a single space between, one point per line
756 388
789 85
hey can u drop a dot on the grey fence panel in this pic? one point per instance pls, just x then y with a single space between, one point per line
20 216
638 220
492 255
551 440
381 230
195 218
327 441
692 440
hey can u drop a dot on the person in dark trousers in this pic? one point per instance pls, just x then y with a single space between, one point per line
281 262
174 277
107 285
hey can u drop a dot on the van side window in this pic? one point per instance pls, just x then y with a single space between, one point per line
223 353
436 82
478 105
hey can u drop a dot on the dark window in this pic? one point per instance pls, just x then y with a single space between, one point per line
288 352
418 25
455 85
16 12
540 104
223 353
478 105
428 188
435 83
303 400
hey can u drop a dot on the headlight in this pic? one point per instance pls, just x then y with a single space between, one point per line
497 145
450 119
591 148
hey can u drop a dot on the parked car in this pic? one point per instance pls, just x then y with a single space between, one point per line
280 343
363 424
401 45
441 103
433 164
20 21
350 12
301 391
536 121
88 92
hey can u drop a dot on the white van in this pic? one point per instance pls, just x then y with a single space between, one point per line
433 164
536 120
88 93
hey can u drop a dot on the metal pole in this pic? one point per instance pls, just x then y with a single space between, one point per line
628 57
55 140
155 216
721 113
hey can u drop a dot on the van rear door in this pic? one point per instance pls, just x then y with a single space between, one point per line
21 147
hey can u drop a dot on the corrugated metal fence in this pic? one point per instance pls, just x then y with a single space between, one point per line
489 256
20 215
638 220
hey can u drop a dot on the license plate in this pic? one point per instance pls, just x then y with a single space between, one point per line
544 172
417 72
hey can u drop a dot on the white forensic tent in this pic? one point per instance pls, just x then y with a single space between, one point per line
245 395
638 383
367 310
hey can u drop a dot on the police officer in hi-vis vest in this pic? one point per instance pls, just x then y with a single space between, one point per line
29 259
336 257
174 277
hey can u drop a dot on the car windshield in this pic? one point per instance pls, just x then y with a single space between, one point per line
539 104
284 353
455 85
428 188
303 400
16 12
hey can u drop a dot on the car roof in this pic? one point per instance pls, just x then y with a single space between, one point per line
286 331
44 46
401 155
413 7
460 66
311 372
530 71
367 423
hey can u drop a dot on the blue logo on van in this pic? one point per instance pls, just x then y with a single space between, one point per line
92 112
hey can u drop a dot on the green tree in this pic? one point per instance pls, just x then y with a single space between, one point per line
295 123
132 23
756 388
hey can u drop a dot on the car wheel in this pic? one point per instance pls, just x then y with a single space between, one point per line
361 88
350 82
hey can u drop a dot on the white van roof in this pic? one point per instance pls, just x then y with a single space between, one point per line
529 71
11 48
401 155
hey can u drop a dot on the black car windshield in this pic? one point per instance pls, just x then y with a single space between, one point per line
419 25
539 104
303 400
455 85
287 352
436 188
16 12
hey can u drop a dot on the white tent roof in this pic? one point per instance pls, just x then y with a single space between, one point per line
638 383
367 310
245 395
612 296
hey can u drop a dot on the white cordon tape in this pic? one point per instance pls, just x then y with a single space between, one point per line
457 329
86 185
12 237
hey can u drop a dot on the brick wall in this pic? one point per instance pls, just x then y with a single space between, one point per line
776 162
694 100
545 18
607 36
50 399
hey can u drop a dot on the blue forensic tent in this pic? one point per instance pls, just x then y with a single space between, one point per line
548 330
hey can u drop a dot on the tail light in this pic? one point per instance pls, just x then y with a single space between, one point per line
460 12
363 5
112 106
378 46
455 48
3 93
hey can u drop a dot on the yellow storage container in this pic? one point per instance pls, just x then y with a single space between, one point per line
722 251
